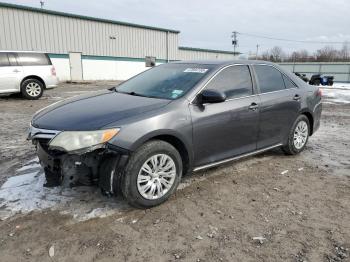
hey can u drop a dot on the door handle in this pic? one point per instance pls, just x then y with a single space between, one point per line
253 106
16 71
297 97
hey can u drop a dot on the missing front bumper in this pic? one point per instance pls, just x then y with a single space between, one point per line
103 167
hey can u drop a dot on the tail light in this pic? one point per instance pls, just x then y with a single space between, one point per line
53 71
319 92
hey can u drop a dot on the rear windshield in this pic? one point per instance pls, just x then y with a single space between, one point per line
168 81
33 59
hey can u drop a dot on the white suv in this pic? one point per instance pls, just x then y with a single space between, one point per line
28 73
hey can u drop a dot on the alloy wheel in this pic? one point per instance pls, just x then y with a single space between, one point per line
156 176
300 134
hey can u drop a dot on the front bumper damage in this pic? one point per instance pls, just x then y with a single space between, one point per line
102 166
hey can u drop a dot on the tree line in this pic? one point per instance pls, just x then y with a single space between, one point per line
325 54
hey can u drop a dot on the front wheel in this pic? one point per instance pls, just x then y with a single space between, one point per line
298 136
152 174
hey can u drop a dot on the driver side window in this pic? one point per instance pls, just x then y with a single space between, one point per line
234 81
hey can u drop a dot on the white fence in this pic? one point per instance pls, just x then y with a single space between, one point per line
340 70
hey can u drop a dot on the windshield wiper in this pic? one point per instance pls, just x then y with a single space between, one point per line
132 93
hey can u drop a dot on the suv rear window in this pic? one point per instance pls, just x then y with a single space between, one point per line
33 59
4 61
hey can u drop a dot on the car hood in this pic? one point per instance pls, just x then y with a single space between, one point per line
94 111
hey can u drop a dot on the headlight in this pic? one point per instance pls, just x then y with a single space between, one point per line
75 140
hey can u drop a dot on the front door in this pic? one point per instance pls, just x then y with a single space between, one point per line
76 71
227 129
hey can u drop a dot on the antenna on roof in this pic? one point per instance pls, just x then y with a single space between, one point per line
42 4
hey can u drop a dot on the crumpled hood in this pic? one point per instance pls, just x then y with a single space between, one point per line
94 111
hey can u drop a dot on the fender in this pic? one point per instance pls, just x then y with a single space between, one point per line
186 141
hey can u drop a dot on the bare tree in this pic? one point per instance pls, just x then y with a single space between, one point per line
276 54
326 54
344 53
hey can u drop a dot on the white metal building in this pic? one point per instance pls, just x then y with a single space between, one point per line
89 48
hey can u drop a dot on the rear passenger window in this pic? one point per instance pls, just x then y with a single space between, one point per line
32 59
288 83
234 81
269 78
4 61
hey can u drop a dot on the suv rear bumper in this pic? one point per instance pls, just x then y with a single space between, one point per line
51 82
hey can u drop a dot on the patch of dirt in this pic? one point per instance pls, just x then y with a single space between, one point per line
300 215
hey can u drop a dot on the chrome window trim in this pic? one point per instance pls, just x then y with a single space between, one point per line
218 72
277 91
231 99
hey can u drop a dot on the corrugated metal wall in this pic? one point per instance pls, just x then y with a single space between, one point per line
30 30
193 54
340 70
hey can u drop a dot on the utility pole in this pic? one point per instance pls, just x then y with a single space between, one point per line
234 41
257 51
42 4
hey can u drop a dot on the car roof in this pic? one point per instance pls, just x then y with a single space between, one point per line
223 62
20 51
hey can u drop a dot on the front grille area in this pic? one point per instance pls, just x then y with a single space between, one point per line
44 143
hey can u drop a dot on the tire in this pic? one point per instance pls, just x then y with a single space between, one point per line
135 180
32 89
317 82
293 147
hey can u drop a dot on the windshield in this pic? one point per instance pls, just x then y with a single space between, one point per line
169 81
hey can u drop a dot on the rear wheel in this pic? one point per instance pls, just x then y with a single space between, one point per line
32 89
152 174
298 136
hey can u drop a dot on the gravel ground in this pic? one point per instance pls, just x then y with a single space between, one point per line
250 210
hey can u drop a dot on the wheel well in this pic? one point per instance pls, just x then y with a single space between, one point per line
34 77
311 121
180 146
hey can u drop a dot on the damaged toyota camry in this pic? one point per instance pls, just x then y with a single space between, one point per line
141 137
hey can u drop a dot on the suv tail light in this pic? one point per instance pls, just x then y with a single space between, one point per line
53 71
319 92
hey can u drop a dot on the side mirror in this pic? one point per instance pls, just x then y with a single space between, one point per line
210 96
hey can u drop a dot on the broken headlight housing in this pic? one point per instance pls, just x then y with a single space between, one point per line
76 140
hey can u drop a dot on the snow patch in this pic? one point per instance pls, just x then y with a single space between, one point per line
25 193
338 93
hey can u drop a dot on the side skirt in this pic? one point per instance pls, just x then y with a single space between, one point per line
235 158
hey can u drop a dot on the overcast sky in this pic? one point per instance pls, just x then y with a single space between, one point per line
209 24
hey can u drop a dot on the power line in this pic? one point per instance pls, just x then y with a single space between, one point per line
291 40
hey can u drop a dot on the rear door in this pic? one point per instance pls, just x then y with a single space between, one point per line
230 128
280 104
10 73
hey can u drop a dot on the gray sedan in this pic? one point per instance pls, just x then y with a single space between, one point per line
141 137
